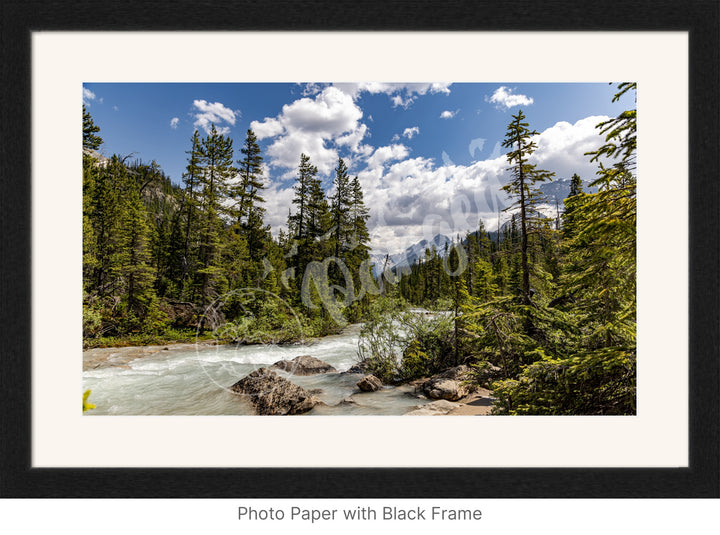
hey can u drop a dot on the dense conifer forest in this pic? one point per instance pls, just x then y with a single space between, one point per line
543 311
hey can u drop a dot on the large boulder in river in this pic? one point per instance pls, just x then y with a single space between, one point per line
271 394
369 383
448 385
304 365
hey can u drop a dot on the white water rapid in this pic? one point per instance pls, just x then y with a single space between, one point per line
190 380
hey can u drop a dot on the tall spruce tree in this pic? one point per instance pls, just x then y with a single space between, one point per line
576 185
357 257
298 221
306 225
601 263
518 139
340 210
216 162
250 211
135 261
90 129
319 221
360 236
190 208
571 202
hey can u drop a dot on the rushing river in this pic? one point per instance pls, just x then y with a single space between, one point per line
193 380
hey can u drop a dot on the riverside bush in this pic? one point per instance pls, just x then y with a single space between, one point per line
399 345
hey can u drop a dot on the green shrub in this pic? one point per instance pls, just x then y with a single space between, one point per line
597 382
399 345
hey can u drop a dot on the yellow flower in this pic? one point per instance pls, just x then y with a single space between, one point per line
87 406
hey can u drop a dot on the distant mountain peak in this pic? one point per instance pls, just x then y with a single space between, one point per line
410 255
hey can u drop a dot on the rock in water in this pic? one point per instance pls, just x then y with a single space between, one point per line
271 394
304 365
448 384
360 367
369 383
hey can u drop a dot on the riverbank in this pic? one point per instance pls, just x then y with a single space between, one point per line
188 336
479 403
120 357
146 340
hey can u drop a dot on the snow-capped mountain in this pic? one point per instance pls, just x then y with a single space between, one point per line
408 257
558 189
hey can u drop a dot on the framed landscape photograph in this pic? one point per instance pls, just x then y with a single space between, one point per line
395 254
277 283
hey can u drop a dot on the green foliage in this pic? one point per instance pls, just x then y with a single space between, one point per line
90 129
249 209
92 319
590 383
620 137
524 175
340 210
216 159
267 327
415 361
398 344
503 339
150 246
169 335
571 349
545 315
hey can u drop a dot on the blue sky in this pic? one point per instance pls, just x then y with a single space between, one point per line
427 154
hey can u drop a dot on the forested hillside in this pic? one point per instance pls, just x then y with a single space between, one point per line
158 256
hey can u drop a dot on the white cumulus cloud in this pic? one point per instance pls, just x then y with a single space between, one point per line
208 113
174 123
401 94
447 114
355 89
387 153
504 97
316 127
87 96
399 101
411 132
416 198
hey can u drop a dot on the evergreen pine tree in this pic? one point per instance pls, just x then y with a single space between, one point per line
298 221
340 210
250 209
319 221
358 257
190 208
216 162
90 129
518 139
576 187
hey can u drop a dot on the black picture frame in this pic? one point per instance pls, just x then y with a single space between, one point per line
700 18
